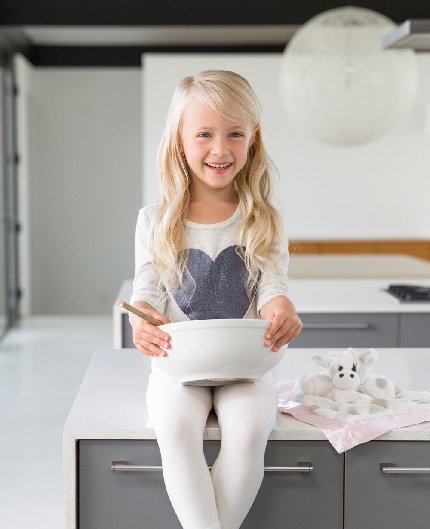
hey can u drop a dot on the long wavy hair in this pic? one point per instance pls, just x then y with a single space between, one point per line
262 235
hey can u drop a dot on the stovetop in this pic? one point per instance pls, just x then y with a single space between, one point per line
409 292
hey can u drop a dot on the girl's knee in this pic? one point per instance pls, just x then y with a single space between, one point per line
180 430
250 436
249 423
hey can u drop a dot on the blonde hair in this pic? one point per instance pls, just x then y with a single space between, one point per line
262 235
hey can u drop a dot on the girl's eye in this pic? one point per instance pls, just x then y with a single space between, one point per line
207 134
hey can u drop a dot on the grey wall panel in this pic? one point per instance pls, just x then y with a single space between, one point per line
85 145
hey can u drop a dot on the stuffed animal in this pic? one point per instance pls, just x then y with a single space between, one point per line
347 378
346 387
346 391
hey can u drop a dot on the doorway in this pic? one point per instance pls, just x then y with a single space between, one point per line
9 226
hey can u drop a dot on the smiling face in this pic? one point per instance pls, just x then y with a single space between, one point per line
215 149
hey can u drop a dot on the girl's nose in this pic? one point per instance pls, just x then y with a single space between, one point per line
219 147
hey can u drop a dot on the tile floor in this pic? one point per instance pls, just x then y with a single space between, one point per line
42 363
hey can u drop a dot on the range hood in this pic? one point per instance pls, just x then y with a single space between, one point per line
411 34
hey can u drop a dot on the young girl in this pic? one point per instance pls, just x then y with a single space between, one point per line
214 248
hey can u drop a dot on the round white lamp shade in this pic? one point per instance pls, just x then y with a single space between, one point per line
339 85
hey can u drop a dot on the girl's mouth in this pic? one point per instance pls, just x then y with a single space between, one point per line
219 169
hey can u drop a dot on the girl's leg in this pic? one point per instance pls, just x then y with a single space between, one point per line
246 414
178 414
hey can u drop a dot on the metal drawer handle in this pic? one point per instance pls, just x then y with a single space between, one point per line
123 466
337 326
390 468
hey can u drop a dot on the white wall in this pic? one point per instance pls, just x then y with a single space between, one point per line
379 190
85 189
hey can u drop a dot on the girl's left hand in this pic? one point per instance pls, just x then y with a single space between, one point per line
286 324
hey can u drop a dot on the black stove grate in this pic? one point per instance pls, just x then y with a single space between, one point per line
409 292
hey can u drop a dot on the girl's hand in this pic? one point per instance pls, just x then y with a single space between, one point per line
286 324
148 338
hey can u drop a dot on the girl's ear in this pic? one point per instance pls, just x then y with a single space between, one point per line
253 135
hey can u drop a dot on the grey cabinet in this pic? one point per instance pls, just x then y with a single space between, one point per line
348 491
347 330
378 500
414 330
311 500
126 332
129 499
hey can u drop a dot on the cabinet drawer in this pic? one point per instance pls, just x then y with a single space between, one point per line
347 330
377 500
415 330
126 500
312 500
112 499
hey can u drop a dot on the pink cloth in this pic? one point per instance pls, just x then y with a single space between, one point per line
344 435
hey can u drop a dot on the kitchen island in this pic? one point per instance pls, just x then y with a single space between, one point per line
107 430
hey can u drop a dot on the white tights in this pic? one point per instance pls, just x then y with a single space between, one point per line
221 498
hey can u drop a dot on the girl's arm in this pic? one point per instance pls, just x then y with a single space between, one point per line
274 304
147 294
286 324
146 283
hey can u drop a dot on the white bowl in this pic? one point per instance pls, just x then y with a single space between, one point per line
216 352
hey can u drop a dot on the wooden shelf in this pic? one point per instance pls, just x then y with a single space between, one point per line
415 248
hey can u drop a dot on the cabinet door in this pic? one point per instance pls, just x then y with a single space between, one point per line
299 500
378 500
110 499
415 330
127 500
347 330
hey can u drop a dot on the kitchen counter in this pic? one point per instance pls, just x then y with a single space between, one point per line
111 402
352 295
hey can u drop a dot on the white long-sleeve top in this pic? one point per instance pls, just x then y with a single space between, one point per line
219 273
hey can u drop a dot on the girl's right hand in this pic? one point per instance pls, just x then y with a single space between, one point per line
148 338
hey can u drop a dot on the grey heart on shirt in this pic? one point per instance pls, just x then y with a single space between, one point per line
220 286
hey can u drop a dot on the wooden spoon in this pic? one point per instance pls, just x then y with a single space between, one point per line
138 312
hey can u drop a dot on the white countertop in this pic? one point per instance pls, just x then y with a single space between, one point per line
335 295
352 296
111 403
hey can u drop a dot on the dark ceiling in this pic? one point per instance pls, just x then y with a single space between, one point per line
190 12
19 17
